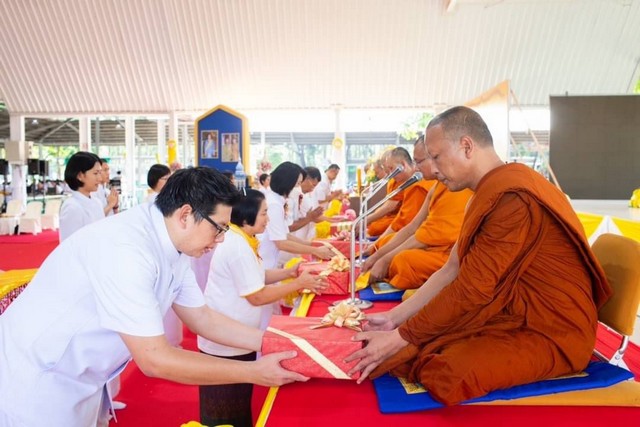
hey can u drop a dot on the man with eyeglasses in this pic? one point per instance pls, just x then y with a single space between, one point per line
98 300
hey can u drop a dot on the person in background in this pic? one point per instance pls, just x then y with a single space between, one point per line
264 182
100 297
156 179
239 287
276 237
83 175
175 166
323 192
516 302
108 199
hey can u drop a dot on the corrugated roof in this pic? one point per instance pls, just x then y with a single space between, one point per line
156 56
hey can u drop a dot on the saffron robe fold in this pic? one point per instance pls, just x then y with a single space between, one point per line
438 232
523 306
412 200
377 227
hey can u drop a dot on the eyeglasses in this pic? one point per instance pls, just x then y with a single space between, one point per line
221 229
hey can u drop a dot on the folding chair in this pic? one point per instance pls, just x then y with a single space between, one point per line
619 257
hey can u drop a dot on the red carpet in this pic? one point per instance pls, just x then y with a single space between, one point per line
166 404
26 250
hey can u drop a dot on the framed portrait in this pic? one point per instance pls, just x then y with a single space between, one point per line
230 147
210 147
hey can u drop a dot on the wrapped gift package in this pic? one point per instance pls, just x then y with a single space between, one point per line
321 352
338 280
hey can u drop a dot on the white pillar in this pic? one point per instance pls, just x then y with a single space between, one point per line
84 133
130 162
18 136
339 154
162 141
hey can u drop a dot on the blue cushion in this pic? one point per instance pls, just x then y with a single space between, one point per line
392 397
381 291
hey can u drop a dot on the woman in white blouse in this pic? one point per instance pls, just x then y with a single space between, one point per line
276 237
83 175
156 179
239 287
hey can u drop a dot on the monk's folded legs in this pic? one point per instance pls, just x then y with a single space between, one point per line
411 268
476 366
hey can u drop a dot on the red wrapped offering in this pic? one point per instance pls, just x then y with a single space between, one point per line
338 281
321 351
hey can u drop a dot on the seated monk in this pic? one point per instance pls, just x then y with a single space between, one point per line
413 197
381 218
516 302
422 247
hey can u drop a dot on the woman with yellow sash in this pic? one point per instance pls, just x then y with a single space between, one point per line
239 286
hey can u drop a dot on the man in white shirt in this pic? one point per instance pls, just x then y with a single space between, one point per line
100 297
323 192
309 211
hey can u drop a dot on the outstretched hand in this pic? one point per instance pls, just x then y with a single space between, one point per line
380 346
269 373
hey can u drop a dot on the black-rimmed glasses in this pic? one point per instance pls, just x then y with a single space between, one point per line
221 229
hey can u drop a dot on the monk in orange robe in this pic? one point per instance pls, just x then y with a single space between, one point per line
517 300
407 258
382 218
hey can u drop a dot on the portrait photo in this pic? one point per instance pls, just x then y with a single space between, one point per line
230 147
209 144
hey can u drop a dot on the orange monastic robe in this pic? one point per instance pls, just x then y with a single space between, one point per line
439 231
412 201
377 227
523 306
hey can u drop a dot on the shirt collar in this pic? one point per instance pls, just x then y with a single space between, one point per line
157 220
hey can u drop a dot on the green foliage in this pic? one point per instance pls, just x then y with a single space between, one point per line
415 126
637 89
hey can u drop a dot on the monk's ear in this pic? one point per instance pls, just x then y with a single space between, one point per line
468 145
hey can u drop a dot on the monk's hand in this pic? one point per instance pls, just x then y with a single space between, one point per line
379 322
368 263
268 372
380 269
380 346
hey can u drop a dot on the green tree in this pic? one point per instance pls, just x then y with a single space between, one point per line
415 126
637 89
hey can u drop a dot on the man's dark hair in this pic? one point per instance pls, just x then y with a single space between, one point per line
313 173
284 178
82 161
201 188
332 166
246 209
459 121
263 177
229 175
156 172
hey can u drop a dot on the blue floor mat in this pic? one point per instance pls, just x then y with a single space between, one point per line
394 398
381 291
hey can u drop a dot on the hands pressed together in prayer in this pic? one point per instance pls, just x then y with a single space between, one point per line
382 341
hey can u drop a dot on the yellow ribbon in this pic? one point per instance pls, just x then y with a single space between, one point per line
251 240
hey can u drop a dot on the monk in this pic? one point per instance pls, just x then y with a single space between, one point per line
421 247
413 196
379 220
517 300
